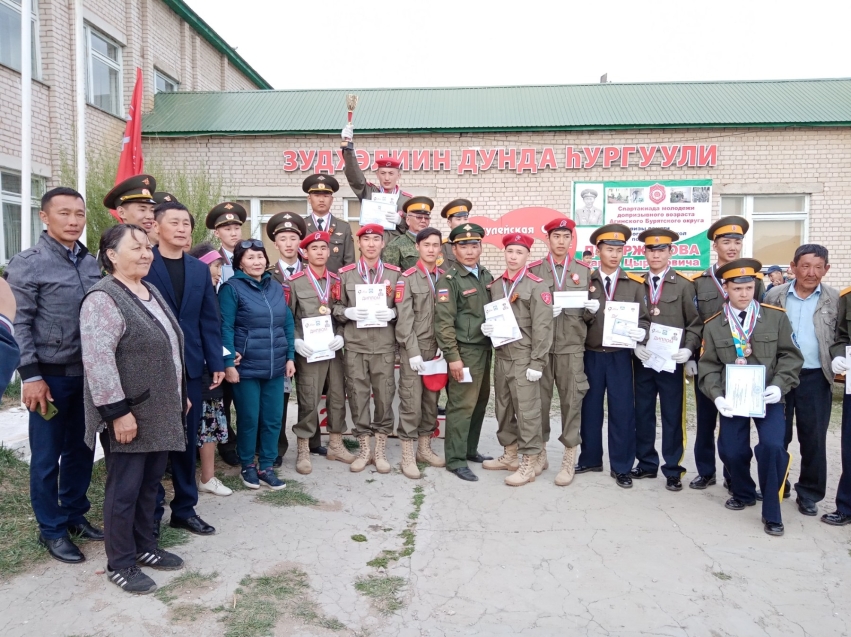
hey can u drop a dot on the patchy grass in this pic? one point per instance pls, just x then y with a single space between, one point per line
359 538
12 395
383 592
187 582
722 576
169 537
233 482
351 444
419 498
293 496
260 601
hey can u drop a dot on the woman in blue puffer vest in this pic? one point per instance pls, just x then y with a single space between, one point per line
257 325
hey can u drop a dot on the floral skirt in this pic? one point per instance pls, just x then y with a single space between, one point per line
213 426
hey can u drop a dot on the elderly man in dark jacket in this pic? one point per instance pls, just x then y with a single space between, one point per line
49 282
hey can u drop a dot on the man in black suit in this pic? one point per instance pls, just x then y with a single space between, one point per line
186 285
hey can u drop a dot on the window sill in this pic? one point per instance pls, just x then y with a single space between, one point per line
18 72
106 112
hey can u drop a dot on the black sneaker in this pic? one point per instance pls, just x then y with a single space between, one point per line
271 479
279 462
131 580
160 560
250 478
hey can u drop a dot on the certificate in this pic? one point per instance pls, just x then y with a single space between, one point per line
619 318
663 342
659 364
435 367
745 389
318 333
386 197
501 315
570 300
848 374
372 296
372 211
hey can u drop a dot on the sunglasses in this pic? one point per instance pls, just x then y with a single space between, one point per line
252 243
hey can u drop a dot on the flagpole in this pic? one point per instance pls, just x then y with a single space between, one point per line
26 124
80 102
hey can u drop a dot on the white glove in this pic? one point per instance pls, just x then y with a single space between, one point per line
336 343
839 365
772 395
393 217
347 133
637 333
439 355
385 314
416 363
724 408
487 329
556 311
642 353
532 376
691 369
682 355
303 349
356 313
592 305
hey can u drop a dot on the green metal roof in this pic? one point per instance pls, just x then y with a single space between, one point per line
771 103
205 31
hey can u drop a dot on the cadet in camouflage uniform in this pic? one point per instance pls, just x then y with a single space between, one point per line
566 367
459 313
370 351
402 250
415 335
456 213
320 191
746 332
670 297
312 293
726 236
520 365
609 369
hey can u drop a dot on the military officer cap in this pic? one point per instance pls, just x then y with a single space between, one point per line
471 232
560 223
658 238
164 197
588 191
136 189
456 207
518 239
224 214
286 222
739 271
731 227
613 234
313 237
320 184
371 228
418 206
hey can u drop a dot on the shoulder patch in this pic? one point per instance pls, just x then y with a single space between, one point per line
346 268
297 275
635 277
409 271
845 291
711 317
445 241
687 276
773 307
582 263
405 194
534 263
369 183
334 276
390 266
534 278
488 286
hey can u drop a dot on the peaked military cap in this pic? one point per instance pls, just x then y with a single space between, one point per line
658 238
467 232
136 189
739 271
613 234
286 222
226 213
731 227
164 197
418 205
320 184
456 207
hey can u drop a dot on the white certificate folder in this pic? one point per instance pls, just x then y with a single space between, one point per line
745 386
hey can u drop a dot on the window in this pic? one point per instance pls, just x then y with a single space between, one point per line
163 83
10 35
10 201
104 72
779 224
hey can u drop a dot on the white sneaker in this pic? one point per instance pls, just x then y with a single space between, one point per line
214 486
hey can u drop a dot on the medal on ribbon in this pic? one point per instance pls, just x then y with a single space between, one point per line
742 333
427 274
717 283
656 296
614 286
363 270
323 296
559 281
509 293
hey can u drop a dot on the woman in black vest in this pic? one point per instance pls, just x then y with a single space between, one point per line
135 395
258 325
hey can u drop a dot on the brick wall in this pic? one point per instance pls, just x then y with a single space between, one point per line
750 161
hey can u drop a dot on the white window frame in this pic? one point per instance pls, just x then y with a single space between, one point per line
15 199
116 65
751 216
165 78
16 6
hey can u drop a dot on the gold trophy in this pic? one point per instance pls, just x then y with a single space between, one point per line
351 103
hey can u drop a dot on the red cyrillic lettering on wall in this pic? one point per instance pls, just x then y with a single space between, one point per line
626 151
647 155
468 162
592 154
290 161
442 159
402 157
610 154
363 159
688 156
420 160
548 159
324 162
572 159
306 157
669 155
341 163
527 161
506 159
707 155
487 158
379 154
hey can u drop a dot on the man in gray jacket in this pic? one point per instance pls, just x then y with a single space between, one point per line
811 307
49 282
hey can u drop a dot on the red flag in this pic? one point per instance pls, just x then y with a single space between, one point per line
131 162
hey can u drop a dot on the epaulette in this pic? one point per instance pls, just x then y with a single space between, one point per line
635 277
759 276
346 268
333 276
369 183
409 271
390 266
297 275
773 307
534 278
488 286
406 194
711 317
845 291
686 276
446 240
587 265
534 263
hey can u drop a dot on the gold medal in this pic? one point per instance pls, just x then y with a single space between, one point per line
655 311
514 297
323 310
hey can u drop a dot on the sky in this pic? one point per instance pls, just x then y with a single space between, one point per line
369 44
